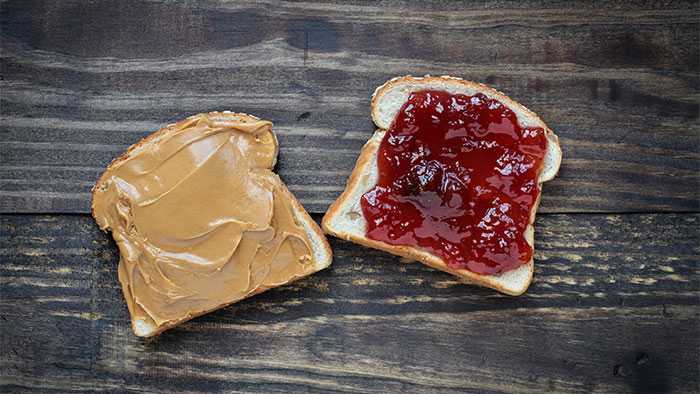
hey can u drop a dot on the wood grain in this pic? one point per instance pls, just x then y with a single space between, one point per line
615 302
614 308
81 81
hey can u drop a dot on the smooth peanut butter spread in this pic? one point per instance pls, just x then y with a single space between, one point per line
200 219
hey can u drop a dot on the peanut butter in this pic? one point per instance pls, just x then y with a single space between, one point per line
200 219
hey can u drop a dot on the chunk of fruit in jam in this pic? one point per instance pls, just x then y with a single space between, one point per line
457 178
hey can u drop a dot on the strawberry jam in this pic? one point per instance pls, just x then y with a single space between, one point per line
457 178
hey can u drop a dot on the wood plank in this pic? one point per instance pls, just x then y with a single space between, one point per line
614 308
80 82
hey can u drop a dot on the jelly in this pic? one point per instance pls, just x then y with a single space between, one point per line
457 178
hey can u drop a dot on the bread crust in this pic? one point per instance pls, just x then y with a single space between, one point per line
300 215
488 90
366 156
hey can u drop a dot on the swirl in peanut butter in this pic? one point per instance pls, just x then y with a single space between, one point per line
200 219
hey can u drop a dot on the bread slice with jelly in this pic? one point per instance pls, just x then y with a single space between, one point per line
345 218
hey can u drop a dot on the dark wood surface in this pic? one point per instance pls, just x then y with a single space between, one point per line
83 80
615 305
613 308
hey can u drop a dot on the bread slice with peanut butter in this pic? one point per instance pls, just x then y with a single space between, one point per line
202 221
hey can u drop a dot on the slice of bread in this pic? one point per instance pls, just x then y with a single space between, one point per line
321 251
345 220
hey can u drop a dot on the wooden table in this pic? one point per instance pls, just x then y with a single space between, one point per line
615 302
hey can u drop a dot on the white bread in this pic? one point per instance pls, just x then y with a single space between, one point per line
344 218
322 253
